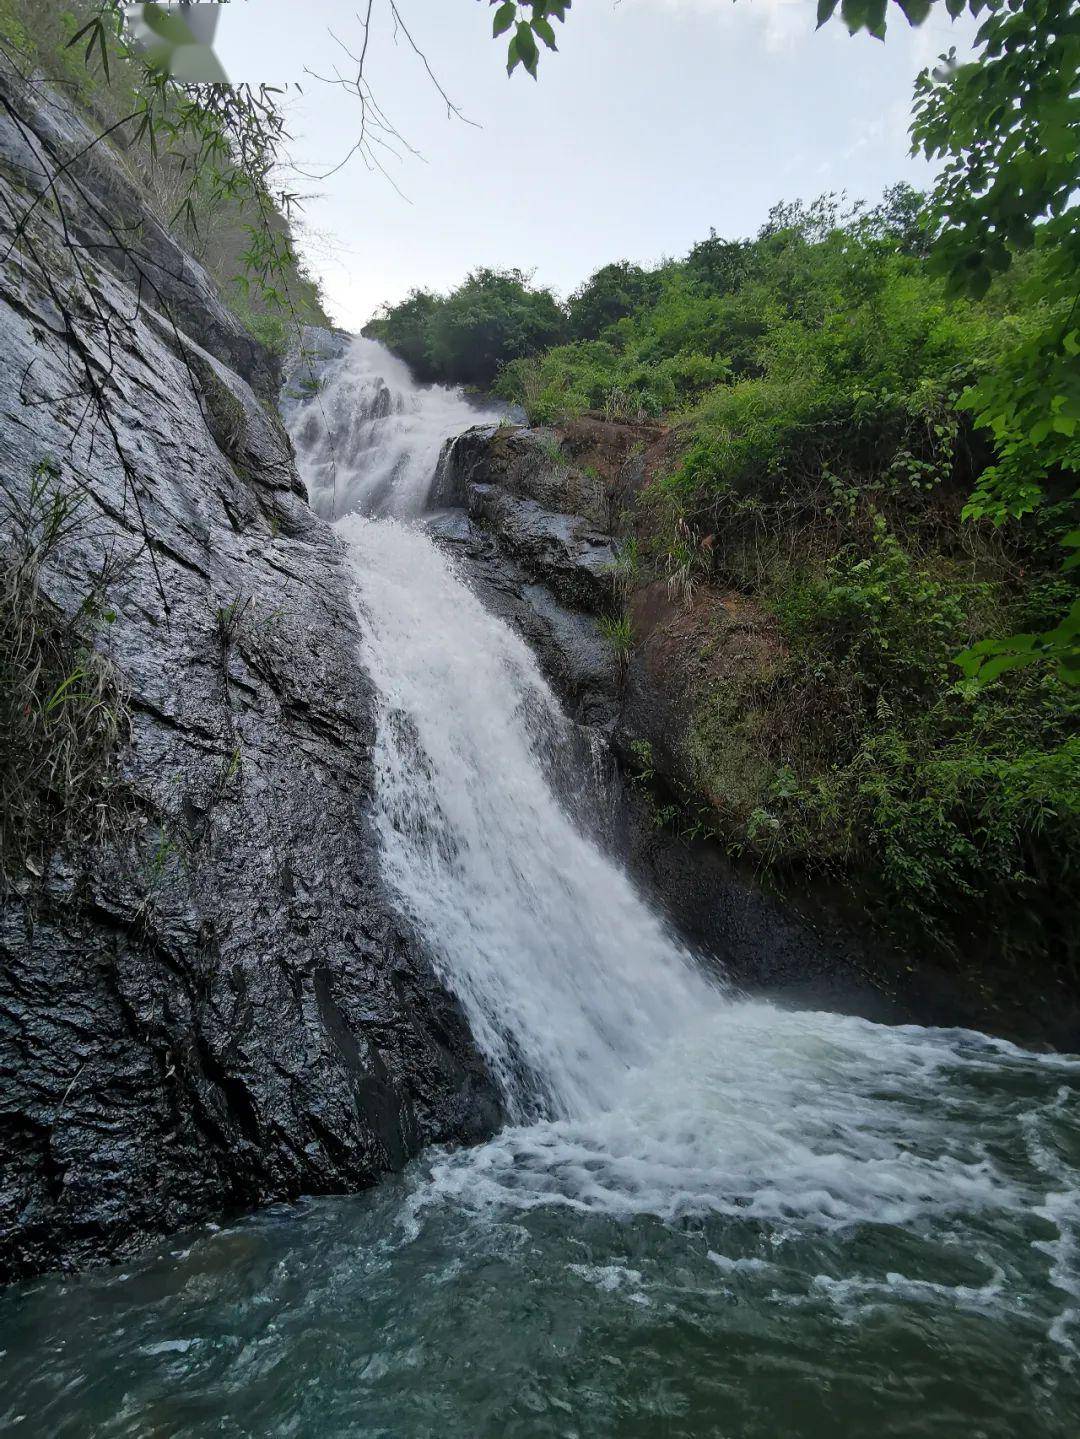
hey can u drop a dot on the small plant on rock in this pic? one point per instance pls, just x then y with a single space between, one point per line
63 715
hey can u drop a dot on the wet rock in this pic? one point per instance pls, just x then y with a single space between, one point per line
214 1007
569 643
516 486
109 219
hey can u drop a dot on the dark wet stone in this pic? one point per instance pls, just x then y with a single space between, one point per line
218 1007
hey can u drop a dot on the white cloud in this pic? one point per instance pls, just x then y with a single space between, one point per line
783 22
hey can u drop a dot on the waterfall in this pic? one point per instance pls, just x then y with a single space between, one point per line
635 1082
568 978
368 438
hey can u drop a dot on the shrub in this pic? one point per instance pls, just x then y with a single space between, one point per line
63 714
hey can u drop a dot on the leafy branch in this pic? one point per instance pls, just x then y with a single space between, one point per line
530 22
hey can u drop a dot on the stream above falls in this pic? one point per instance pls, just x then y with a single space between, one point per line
706 1215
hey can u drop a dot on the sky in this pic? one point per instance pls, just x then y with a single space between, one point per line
656 121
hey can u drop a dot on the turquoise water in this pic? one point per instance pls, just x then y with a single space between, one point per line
900 1261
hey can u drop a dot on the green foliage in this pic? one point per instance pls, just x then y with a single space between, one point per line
851 751
1005 125
619 635
626 567
717 265
615 292
819 301
889 617
530 21
492 318
63 714
1060 645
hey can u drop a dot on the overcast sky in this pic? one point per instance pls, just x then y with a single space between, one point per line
657 120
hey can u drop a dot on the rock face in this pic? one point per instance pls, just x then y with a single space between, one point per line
544 513
541 567
214 1006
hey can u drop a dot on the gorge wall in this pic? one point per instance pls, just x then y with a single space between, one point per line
212 1005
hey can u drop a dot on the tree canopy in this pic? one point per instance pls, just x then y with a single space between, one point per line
466 337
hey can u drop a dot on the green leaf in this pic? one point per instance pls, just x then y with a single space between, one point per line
90 25
916 11
505 16
60 694
825 11
992 668
527 48
865 15
544 30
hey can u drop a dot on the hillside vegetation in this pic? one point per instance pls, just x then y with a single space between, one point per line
817 468
206 206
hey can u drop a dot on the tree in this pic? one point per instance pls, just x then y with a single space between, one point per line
492 318
717 265
612 293
900 220
406 329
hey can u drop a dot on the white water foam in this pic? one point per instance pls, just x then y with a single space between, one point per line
570 982
369 440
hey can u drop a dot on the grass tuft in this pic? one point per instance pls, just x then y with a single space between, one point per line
63 713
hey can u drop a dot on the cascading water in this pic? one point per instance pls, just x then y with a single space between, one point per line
568 980
708 1216
369 438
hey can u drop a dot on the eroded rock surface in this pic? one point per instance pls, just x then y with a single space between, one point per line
215 1007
